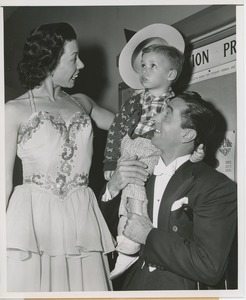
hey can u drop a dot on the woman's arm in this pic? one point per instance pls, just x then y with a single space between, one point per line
101 116
11 130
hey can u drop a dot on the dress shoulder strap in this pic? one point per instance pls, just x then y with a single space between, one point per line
77 102
31 101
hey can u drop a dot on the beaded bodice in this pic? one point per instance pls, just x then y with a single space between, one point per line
56 153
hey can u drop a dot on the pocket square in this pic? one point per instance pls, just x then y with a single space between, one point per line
178 203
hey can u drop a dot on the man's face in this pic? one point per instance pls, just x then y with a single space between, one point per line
168 133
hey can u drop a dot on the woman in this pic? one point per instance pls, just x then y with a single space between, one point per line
57 239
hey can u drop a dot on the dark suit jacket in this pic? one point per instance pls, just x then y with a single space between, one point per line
192 243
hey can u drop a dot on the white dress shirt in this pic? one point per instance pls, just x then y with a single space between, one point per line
163 175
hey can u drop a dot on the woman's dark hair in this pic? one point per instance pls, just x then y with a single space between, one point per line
199 116
42 51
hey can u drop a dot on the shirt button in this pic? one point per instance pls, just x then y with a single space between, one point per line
175 228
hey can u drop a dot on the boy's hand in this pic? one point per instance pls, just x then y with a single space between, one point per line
198 154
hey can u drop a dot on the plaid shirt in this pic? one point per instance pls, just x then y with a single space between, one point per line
151 105
133 111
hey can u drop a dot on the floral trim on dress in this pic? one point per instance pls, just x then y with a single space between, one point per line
62 183
59 186
77 121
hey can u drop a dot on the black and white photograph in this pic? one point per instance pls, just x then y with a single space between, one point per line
123 153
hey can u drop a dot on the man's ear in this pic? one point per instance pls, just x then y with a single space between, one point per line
189 135
172 75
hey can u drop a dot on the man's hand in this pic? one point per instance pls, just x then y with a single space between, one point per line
127 171
137 228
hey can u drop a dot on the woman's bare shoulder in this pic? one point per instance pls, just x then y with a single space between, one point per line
85 101
19 101
18 109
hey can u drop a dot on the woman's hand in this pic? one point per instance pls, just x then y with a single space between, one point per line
108 175
127 171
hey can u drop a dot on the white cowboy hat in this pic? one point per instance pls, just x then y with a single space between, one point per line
130 56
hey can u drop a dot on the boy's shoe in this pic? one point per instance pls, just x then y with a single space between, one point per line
123 262
126 246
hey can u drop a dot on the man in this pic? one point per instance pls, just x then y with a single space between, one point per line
192 208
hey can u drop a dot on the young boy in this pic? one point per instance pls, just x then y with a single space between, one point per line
131 131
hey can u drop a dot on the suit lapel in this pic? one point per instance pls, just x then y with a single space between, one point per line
150 195
176 188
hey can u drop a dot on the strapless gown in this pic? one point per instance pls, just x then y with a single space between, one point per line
54 215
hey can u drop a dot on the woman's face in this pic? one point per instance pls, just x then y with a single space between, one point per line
68 67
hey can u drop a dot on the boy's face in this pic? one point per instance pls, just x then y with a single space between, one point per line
154 73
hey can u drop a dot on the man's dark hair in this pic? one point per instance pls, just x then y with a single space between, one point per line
42 51
199 116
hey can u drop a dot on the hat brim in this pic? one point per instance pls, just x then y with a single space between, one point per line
166 34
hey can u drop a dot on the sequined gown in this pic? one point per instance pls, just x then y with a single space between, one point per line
53 220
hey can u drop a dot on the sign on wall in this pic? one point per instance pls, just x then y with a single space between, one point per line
213 60
226 155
